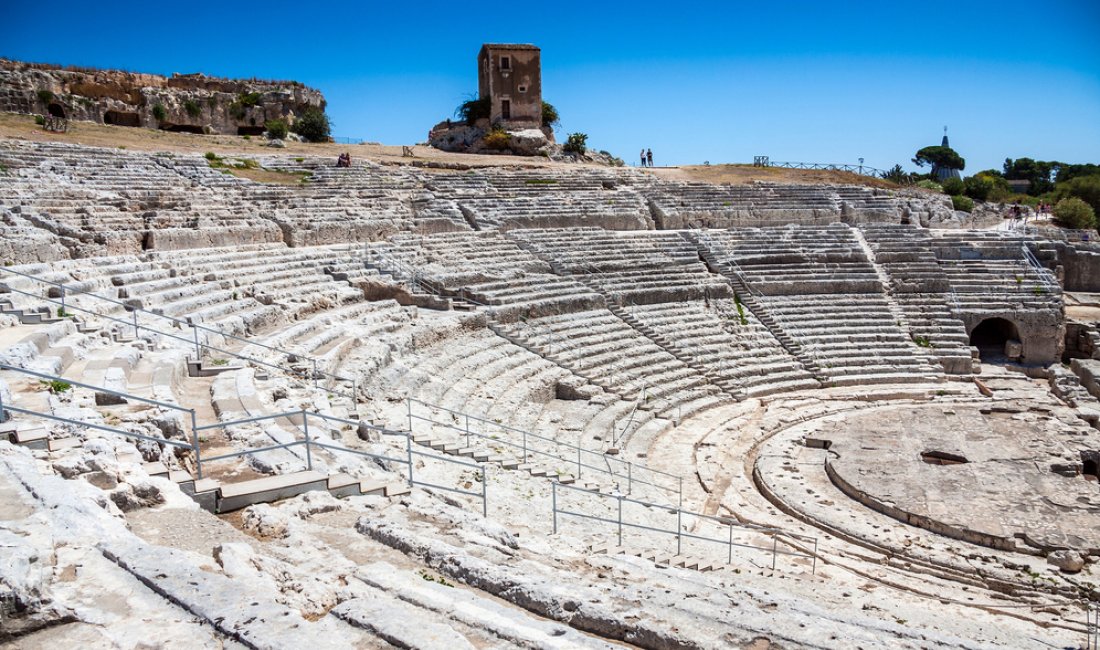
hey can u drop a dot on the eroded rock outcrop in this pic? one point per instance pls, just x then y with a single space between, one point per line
192 103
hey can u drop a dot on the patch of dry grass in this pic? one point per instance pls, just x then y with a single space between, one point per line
741 174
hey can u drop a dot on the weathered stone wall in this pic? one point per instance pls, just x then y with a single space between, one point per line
1042 332
1082 268
194 103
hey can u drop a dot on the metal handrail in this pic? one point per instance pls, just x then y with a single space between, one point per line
181 323
775 533
631 469
194 445
1045 277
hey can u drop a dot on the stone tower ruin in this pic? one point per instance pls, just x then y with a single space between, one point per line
510 76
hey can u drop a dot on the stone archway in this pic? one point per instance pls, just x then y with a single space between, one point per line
56 110
991 337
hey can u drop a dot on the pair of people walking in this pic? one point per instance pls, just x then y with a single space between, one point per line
647 157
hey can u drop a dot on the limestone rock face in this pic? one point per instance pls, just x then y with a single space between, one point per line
191 103
528 141
1067 561
460 137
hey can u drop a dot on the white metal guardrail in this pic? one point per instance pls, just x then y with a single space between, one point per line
309 442
531 446
790 541
200 343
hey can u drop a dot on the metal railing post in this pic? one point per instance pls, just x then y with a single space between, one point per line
484 491
135 324
813 567
554 503
409 454
198 347
578 461
62 299
620 520
315 373
680 517
630 478
409 406
775 540
729 558
195 441
679 529
467 429
524 446
305 427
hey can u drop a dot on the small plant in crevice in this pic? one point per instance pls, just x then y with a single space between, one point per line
219 362
430 578
192 107
56 386
922 341
159 112
740 310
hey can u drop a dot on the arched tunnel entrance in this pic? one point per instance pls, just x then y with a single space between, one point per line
991 336
56 110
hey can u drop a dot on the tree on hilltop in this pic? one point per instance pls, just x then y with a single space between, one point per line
939 157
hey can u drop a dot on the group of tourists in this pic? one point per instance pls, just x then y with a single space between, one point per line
647 157
344 160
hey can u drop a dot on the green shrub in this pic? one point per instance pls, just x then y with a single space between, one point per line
1086 188
159 113
56 386
39 120
930 185
276 129
248 100
962 203
498 139
953 187
210 155
978 187
193 109
45 96
576 143
550 115
472 110
313 125
1074 213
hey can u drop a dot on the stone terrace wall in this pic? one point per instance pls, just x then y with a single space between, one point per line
194 103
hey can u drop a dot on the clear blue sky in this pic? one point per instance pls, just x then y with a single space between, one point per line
723 81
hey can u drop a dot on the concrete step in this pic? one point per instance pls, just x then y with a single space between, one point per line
268 489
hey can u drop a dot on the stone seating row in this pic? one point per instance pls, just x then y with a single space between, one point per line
853 338
741 355
601 348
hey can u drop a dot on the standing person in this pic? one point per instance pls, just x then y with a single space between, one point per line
649 156
643 157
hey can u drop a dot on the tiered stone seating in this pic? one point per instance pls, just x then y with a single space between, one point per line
705 205
798 259
741 356
633 268
921 288
110 202
486 268
496 199
854 338
988 271
599 347
818 288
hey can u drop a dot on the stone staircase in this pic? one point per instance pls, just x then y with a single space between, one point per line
669 346
746 296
